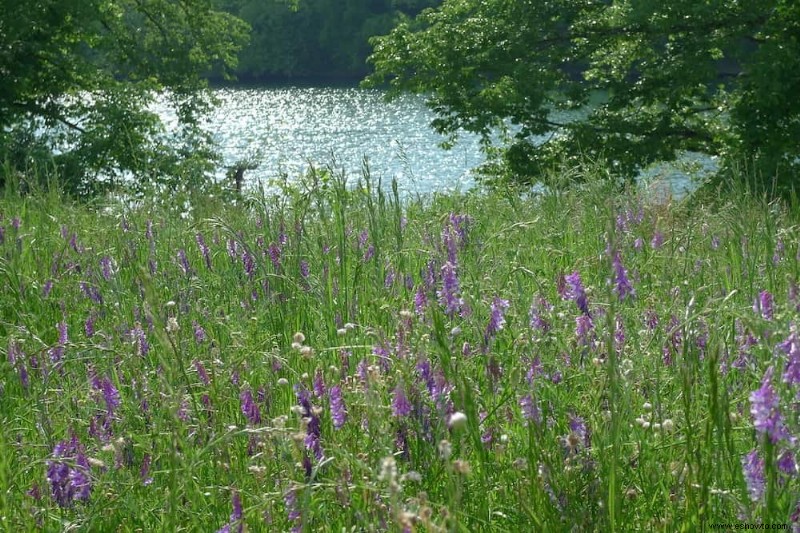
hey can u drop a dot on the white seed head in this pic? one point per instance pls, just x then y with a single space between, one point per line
458 421
299 338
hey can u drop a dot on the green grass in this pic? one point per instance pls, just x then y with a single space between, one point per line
666 409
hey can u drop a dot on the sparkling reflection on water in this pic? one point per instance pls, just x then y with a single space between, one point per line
288 128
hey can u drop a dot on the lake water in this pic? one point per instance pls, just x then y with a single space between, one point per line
288 128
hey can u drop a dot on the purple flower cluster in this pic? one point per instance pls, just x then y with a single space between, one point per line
401 407
574 291
250 408
68 473
313 437
449 295
764 305
622 286
338 410
236 522
497 320
765 410
204 251
753 468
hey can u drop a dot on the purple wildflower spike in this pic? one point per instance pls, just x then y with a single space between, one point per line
584 330
201 372
449 294
763 305
400 405
497 319
319 384
791 347
657 240
537 321
199 333
530 411
183 262
787 464
107 267
206 253
250 407
765 410
248 264
67 473
338 410
275 256
753 468
420 301
140 340
575 292
622 286
304 271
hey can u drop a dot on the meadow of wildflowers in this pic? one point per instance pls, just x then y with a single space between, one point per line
332 358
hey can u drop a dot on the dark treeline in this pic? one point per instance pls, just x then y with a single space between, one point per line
314 39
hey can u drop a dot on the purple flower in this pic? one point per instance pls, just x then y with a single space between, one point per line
206 253
140 340
400 404
497 319
107 267
657 241
250 407
787 463
183 262
338 410
232 248
449 294
763 305
67 473
791 347
199 332
313 427
57 351
369 253
304 271
420 301
537 321
88 326
584 329
109 391
275 256
292 511
248 264
530 411
765 410
622 286
753 468
201 372
575 292
319 384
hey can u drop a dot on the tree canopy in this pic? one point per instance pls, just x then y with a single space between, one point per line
314 39
80 78
717 77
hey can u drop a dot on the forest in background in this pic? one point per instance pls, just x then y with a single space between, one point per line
314 39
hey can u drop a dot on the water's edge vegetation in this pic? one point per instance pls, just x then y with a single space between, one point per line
334 358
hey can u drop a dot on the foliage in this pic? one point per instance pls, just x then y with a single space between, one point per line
634 370
717 77
81 79
314 38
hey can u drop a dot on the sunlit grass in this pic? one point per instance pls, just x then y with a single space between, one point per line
333 357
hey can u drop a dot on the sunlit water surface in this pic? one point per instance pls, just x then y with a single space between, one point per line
286 129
